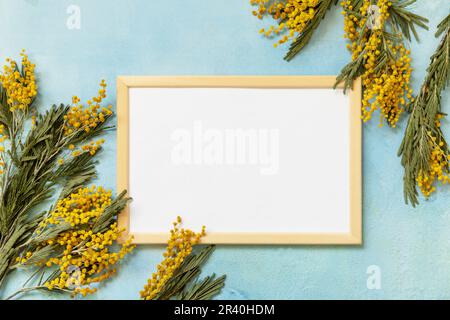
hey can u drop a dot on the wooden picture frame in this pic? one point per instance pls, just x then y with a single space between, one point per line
354 237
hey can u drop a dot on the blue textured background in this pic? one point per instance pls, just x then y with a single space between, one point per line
218 37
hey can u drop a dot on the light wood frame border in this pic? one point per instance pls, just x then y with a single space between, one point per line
124 83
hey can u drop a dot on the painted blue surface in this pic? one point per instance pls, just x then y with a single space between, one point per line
218 37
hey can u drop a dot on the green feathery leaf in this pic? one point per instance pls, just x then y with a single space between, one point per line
183 284
423 132
305 36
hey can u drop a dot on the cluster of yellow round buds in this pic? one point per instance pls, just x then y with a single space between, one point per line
292 17
86 118
439 117
179 247
387 90
390 90
81 266
20 86
84 291
90 148
352 23
2 133
25 258
87 257
263 5
438 166
80 207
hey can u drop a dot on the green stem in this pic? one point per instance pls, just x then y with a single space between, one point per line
24 290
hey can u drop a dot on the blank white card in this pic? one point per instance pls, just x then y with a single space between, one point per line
239 160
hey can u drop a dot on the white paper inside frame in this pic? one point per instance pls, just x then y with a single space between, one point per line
239 160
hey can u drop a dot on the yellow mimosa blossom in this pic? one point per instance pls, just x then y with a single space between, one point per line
19 84
87 255
92 147
85 118
438 166
387 90
179 247
74 244
80 207
292 17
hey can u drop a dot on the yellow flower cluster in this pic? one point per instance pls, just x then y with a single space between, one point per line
438 166
292 16
80 207
388 89
87 118
87 257
178 248
2 133
91 148
20 86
